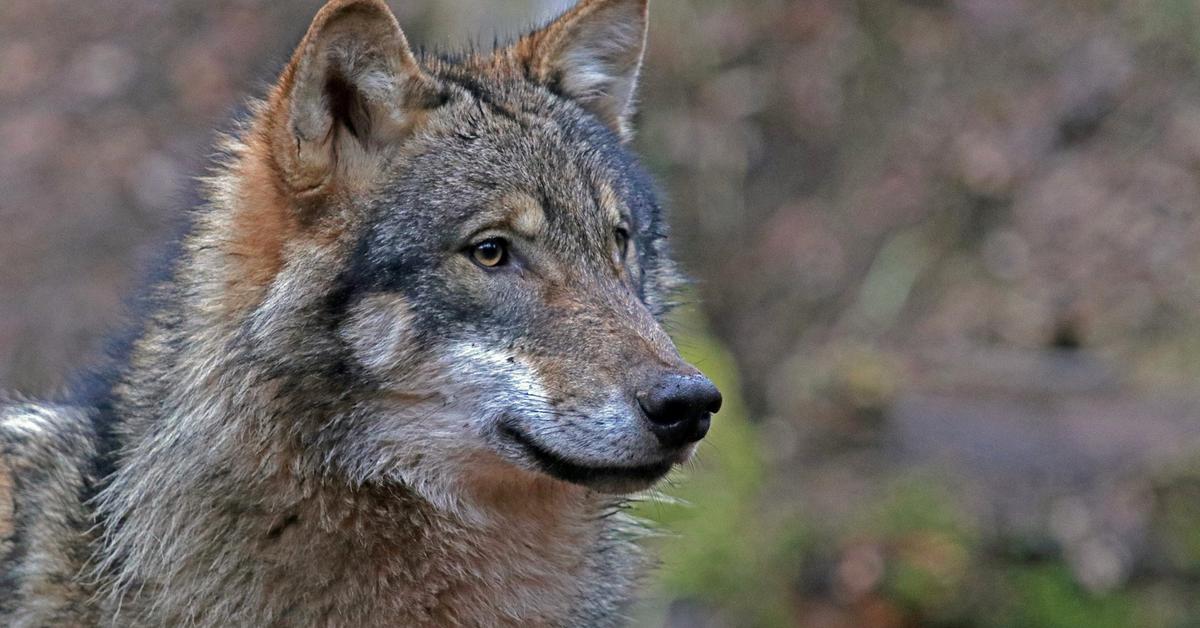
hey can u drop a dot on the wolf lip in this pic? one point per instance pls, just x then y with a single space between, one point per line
558 467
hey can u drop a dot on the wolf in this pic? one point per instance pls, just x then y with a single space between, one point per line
406 367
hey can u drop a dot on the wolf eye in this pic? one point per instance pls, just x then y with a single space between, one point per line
490 253
621 235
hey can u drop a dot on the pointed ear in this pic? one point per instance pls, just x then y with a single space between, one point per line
352 88
593 54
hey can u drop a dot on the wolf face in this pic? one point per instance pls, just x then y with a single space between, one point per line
494 259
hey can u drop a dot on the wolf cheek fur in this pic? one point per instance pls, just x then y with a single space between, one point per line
402 371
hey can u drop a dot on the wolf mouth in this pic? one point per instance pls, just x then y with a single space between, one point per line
556 466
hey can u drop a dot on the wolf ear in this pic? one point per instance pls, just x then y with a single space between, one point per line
352 88
593 54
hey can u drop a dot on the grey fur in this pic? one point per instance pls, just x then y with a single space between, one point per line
329 415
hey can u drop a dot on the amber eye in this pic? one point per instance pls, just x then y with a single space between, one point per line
490 253
621 235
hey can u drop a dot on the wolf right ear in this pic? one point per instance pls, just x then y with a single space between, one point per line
352 88
593 54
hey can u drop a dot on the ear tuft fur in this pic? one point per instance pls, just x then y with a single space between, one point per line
593 53
352 87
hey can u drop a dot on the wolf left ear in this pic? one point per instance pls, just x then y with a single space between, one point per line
593 54
352 88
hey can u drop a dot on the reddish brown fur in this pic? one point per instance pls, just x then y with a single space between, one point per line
6 504
264 221
279 186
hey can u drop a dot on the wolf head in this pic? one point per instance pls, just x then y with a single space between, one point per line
467 243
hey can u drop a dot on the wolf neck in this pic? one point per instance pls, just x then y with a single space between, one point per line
362 557
219 514
225 526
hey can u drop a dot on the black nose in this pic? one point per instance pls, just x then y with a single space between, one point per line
680 408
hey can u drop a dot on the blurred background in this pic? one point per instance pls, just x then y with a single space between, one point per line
947 256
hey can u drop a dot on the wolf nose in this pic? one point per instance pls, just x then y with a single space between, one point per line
680 408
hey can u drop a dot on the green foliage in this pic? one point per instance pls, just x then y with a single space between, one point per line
1177 514
930 546
1048 597
917 503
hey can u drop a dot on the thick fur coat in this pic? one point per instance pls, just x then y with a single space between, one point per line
396 373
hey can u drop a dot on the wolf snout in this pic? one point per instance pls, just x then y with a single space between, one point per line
679 407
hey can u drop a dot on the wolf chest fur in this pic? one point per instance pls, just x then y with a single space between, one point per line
405 368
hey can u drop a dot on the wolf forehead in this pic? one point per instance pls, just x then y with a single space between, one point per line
510 154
